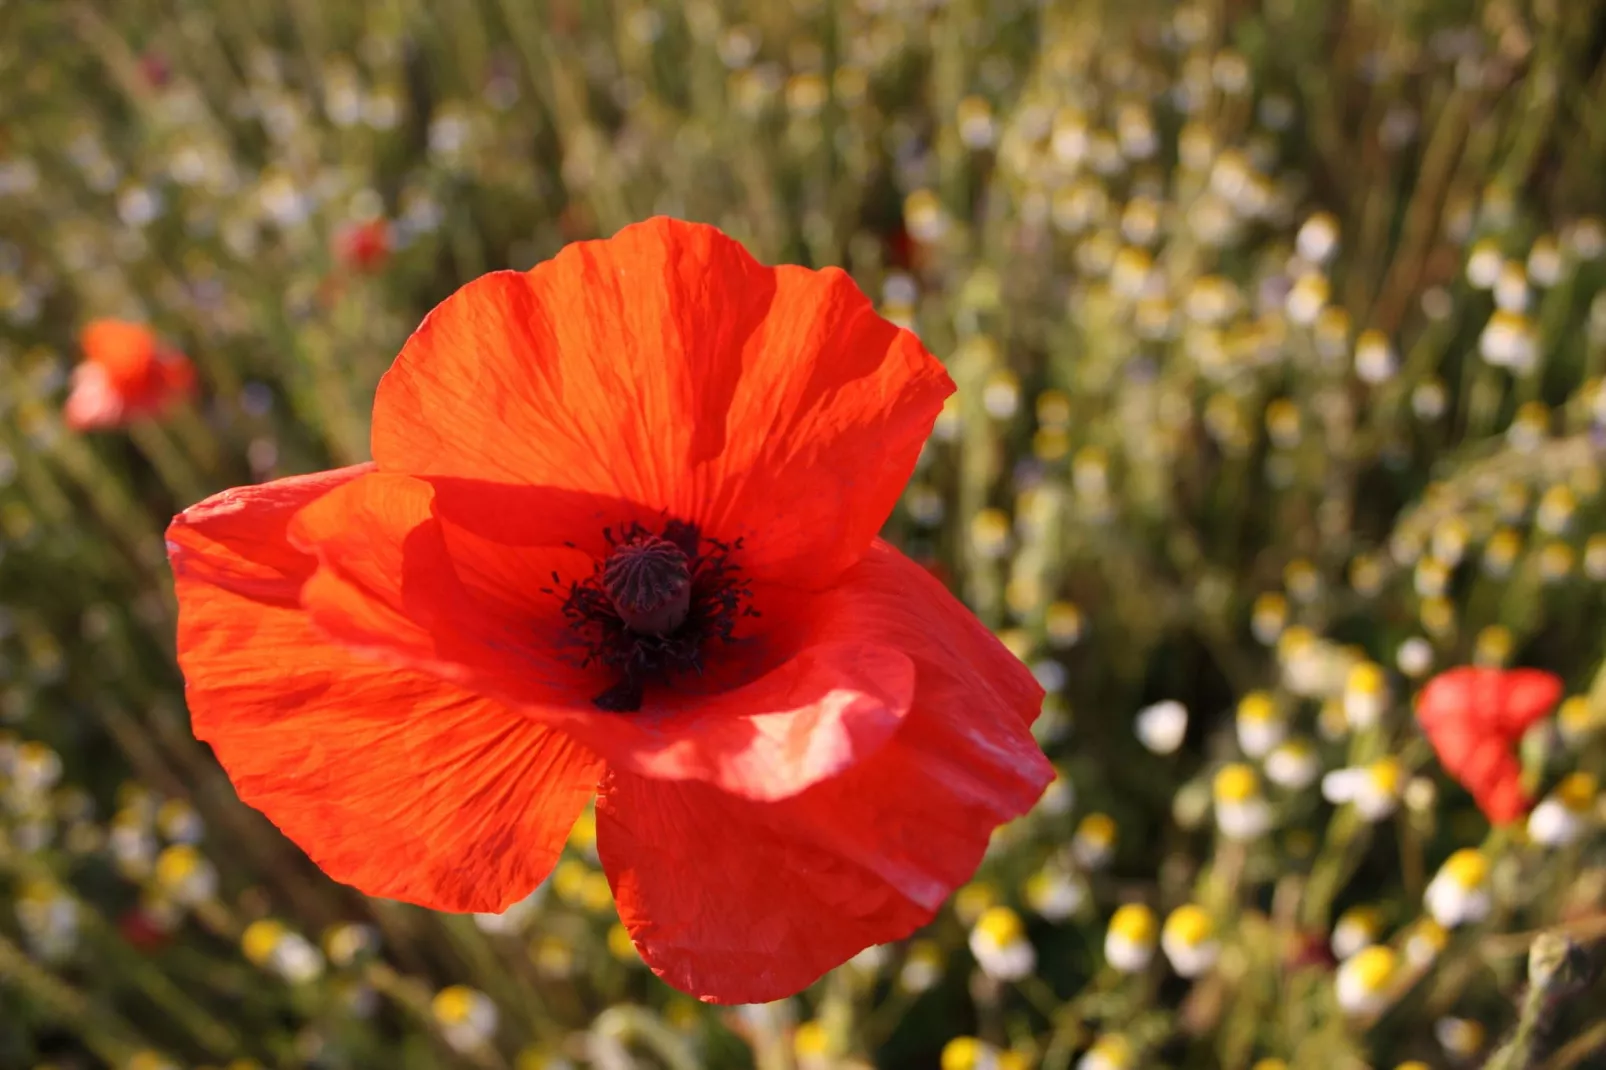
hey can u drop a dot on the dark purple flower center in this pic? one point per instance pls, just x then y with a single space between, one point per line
650 607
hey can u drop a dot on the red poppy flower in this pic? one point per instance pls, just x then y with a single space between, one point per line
126 374
363 246
620 538
903 251
154 70
1474 718
142 931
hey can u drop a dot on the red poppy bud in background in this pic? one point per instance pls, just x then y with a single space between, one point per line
1474 718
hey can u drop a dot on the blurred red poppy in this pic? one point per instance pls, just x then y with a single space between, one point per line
126 374
141 931
363 246
620 537
1474 718
155 70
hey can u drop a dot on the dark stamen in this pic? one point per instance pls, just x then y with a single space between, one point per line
649 609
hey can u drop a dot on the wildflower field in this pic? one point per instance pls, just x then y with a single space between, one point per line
1278 332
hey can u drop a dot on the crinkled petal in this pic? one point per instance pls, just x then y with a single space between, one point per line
236 539
392 781
666 368
783 891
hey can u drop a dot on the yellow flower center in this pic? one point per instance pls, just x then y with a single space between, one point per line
1467 867
148 1060
1558 500
1386 776
1097 829
1556 559
1576 714
1013 1060
1373 967
39 891
620 946
1236 783
1577 791
1017 641
1366 920
1114 1049
595 895
1257 707
963 1053
1294 642
1432 932
1503 546
924 953
1271 608
1001 925
1063 622
1438 615
1190 924
1053 408
569 879
811 1040
177 864
261 938
1134 923
453 1005
1493 645
973 899
1366 678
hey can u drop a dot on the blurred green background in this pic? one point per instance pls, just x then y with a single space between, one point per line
1279 332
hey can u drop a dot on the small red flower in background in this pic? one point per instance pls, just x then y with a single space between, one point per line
142 931
1474 717
903 251
126 374
619 538
155 70
363 246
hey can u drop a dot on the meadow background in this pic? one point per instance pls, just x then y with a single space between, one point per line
1279 331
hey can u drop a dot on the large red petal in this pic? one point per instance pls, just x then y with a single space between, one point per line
391 780
666 368
783 891
236 539
386 584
